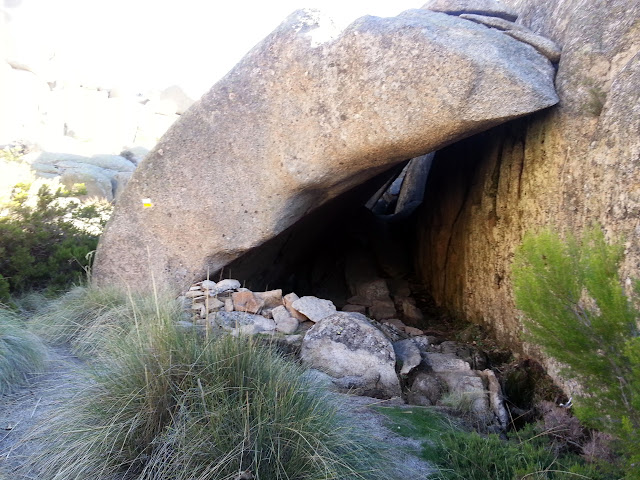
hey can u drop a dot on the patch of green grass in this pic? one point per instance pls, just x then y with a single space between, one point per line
21 352
169 403
461 455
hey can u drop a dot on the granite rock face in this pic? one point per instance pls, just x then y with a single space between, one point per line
308 114
565 168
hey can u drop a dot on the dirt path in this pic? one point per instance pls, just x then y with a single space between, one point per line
22 410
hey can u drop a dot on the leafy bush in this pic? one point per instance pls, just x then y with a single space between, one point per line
46 244
577 311
21 353
167 402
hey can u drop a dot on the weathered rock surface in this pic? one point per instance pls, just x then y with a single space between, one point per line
285 323
565 168
493 8
546 47
494 22
347 345
298 122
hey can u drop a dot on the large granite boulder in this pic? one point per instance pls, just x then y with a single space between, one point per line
568 168
308 114
347 346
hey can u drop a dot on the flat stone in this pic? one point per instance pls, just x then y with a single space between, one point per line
314 308
247 302
407 354
243 323
194 294
226 285
446 363
493 8
208 284
546 47
231 320
271 298
214 304
285 323
288 300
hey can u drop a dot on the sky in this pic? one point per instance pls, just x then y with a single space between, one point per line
151 44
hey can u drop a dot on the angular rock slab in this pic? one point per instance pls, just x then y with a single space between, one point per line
301 119
346 345
494 8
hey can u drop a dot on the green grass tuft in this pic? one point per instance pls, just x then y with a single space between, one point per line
461 455
169 403
21 352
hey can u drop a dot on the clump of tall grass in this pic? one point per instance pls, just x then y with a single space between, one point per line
21 352
86 318
170 403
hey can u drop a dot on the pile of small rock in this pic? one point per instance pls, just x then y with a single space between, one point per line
352 352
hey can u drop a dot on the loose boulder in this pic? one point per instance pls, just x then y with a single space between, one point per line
308 114
347 346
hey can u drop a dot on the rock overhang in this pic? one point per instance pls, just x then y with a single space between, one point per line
293 126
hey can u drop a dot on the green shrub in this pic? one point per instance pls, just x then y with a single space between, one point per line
168 403
460 455
577 311
47 244
21 353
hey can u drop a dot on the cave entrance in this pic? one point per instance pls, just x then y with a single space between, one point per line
356 250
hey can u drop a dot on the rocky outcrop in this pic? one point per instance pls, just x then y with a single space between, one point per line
301 119
565 168
103 176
